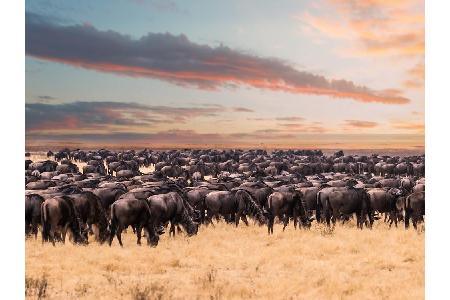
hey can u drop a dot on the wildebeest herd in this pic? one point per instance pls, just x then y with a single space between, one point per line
192 188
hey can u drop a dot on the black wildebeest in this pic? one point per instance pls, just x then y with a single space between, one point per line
33 204
414 208
134 212
59 214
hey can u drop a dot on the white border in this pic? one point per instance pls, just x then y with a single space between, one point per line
437 149
12 247
437 97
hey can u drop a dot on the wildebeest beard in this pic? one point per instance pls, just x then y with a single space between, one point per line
188 224
253 208
300 207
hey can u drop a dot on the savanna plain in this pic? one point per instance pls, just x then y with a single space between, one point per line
225 262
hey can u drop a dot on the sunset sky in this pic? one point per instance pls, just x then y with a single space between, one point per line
306 74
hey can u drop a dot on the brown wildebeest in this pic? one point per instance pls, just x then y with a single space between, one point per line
347 201
171 208
91 212
385 201
134 212
285 205
414 208
33 204
59 214
236 203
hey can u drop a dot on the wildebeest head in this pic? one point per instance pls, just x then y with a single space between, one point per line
196 215
189 225
104 233
80 233
153 240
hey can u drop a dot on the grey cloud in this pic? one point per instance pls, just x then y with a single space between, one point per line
177 60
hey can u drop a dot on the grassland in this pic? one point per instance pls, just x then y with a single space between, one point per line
224 262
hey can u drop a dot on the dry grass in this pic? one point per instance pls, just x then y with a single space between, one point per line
223 262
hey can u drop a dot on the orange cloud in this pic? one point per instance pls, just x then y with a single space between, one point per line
416 76
409 126
382 28
360 124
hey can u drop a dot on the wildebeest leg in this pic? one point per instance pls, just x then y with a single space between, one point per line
407 217
335 217
119 235
285 221
395 219
244 219
27 228
359 220
295 217
34 228
172 228
328 217
138 233
64 232
370 219
236 219
270 224
179 230
415 219
52 236
113 229
391 219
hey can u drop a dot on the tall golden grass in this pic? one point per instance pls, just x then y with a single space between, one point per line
224 262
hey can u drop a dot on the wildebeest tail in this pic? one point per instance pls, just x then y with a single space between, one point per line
319 207
44 222
269 205
113 213
99 210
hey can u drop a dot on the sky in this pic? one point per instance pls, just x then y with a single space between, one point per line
302 74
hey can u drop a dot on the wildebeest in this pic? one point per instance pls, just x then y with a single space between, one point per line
285 205
414 208
347 201
33 204
108 196
58 214
91 212
232 205
171 208
259 173
385 201
134 212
